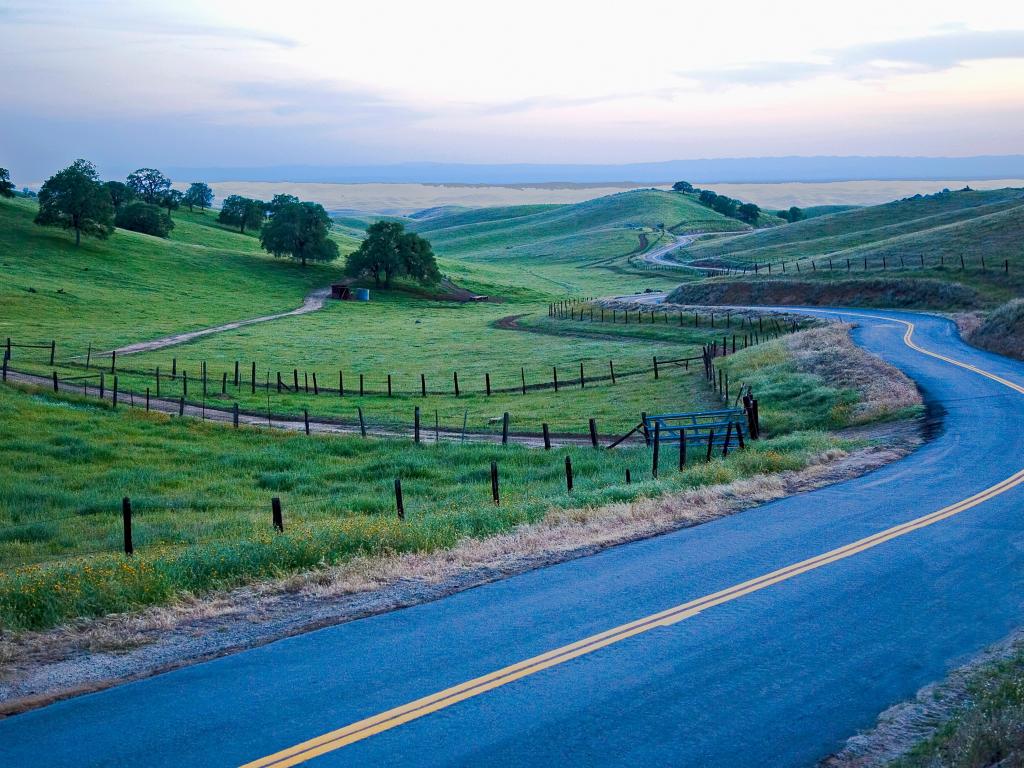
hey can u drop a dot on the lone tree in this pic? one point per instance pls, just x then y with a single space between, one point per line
279 202
390 250
300 230
171 200
145 218
6 187
682 186
748 212
75 198
199 195
120 193
242 212
148 184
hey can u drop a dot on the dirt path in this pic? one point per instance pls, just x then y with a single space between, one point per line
312 303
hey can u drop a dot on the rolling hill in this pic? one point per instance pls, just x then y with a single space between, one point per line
947 250
594 230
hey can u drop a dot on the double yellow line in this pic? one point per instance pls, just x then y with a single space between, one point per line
393 718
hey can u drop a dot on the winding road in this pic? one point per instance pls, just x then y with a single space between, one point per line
763 638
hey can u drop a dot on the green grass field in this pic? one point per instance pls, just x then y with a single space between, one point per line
202 491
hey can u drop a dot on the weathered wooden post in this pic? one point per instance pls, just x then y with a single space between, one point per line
504 428
547 436
494 483
399 502
126 522
593 432
275 512
568 474
657 449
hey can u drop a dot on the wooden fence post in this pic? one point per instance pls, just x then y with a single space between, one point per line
504 428
657 449
295 379
399 501
224 383
234 415
455 378
611 370
547 436
593 432
362 423
181 406
54 381
253 378
147 398
114 392
629 477
305 419
581 375
655 368
341 383
416 425
711 441
522 375
487 383
728 437
184 383
126 521
113 360
568 474
53 350
275 512
647 430
389 385
316 387
682 448
494 483
237 379
423 385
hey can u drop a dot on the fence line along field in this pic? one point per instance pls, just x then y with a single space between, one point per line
201 494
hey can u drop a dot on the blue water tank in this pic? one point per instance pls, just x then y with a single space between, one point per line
362 294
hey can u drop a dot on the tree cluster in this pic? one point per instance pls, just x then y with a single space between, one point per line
390 251
242 212
143 217
793 215
75 198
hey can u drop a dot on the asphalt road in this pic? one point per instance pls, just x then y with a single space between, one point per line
776 667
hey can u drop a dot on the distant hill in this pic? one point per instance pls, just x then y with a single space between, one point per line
943 251
604 227
861 228
732 170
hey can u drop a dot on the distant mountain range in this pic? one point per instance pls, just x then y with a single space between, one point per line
703 171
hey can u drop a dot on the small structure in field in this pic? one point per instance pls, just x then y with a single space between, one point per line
342 290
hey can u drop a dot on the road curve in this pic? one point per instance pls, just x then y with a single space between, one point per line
764 638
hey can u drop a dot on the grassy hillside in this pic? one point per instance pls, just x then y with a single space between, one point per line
136 286
566 231
835 233
968 239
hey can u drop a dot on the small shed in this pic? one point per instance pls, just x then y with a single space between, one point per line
342 290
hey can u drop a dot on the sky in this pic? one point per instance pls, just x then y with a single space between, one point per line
252 83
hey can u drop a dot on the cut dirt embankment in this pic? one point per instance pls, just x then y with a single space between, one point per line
869 292
39 667
1001 331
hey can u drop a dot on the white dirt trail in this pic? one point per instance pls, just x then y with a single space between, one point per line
313 302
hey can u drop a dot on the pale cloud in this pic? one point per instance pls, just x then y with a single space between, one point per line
879 60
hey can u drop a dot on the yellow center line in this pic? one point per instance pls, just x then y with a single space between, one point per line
397 716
